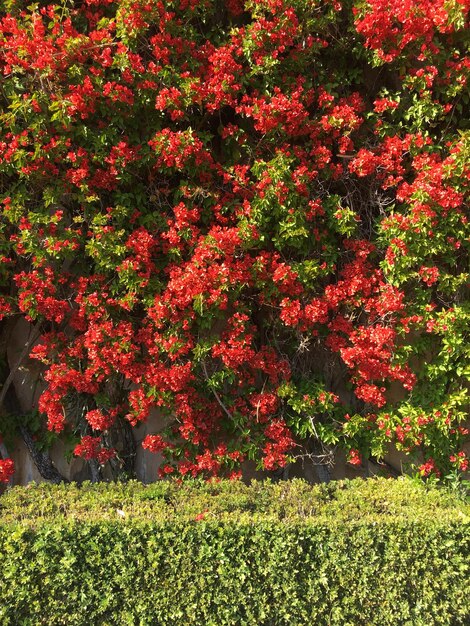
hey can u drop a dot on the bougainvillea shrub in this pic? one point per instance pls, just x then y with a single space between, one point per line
247 215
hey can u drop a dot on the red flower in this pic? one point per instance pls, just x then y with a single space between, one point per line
427 468
91 448
354 457
7 469
429 275
99 420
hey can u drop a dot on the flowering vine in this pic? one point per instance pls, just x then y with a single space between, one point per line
209 207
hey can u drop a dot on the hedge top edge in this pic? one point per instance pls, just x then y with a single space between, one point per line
357 501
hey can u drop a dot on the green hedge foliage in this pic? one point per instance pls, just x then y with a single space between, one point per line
377 552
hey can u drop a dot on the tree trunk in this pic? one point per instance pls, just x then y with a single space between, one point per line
41 459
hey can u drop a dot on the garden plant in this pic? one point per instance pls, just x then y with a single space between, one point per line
248 216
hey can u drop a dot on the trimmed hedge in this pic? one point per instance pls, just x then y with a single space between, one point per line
377 552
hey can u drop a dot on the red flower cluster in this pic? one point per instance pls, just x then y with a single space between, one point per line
354 457
211 212
7 469
91 448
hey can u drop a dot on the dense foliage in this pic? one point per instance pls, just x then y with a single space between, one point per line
247 214
373 553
